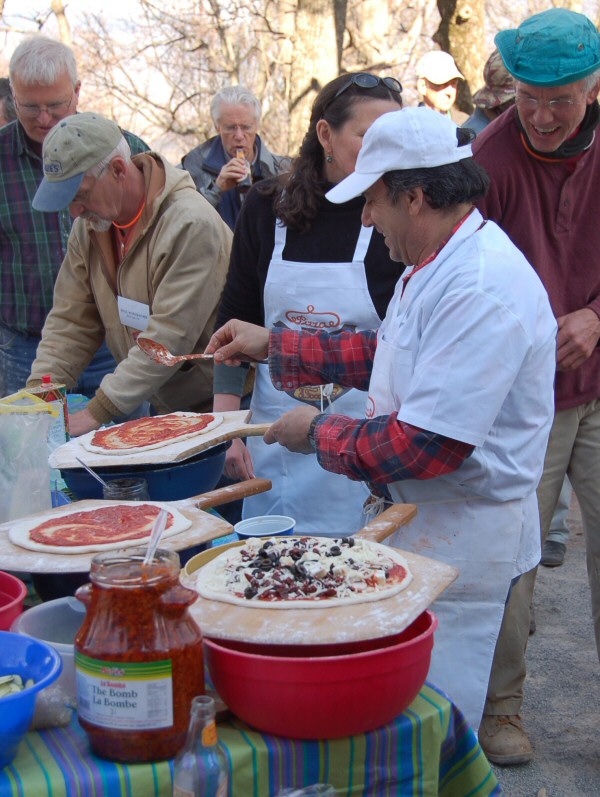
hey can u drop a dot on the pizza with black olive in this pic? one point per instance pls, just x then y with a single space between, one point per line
308 572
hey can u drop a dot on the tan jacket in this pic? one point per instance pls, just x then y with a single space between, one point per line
176 264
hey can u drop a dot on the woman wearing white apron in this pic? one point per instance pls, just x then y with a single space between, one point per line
460 397
321 269
310 296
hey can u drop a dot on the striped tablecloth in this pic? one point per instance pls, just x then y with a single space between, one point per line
428 751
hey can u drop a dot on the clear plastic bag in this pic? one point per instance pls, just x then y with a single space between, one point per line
53 708
24 469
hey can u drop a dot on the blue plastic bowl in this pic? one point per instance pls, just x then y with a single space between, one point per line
171 482
265 526
29 658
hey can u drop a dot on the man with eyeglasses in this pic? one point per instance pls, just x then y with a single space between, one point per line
45 88
225 167
543 156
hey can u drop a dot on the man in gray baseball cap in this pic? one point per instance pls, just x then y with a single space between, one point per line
73 147
147 254
543 156
459 381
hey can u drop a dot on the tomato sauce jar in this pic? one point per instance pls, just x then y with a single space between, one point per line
138 656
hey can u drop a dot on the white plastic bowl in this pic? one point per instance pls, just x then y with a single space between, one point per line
56 622
265 526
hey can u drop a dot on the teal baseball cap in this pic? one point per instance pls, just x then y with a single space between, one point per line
553 48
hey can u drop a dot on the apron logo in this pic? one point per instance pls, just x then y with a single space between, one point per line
311 319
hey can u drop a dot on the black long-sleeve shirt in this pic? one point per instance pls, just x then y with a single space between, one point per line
332 238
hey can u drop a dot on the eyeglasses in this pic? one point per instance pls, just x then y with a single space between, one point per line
55 109
365 80
532 104
235 128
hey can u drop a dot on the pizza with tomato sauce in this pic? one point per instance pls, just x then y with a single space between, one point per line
308 572
143 434
111 526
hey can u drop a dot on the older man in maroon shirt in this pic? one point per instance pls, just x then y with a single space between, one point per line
543 156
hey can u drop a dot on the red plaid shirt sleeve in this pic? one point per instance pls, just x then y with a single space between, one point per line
308 358
379 450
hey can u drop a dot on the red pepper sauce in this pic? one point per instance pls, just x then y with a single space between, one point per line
139 661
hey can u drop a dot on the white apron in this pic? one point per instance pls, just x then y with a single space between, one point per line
314 296
482 538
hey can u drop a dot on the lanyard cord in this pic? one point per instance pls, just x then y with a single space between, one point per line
135 219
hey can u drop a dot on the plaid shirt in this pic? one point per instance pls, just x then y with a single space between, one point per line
32 244
381 450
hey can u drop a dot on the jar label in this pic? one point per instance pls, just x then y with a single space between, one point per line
120 694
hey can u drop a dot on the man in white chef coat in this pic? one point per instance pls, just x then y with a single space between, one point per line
458 378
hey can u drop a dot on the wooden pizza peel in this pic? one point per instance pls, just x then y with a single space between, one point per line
205 527
334 624
235 424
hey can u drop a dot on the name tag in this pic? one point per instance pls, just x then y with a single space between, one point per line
133 314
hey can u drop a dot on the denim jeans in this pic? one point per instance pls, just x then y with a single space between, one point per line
17 353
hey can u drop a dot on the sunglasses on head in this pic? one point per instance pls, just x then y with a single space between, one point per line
365 80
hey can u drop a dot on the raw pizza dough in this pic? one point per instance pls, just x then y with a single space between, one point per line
356 570
87 441
19 533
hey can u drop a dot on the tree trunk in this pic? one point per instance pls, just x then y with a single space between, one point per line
314 62
64 28
371 36
462 33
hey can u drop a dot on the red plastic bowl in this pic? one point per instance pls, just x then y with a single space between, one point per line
12 595
322 691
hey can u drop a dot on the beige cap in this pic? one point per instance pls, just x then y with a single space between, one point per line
438 67
73 146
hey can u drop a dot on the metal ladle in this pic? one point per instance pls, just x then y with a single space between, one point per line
91 472
160 354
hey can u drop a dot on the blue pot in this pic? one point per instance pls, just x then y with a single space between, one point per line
171 482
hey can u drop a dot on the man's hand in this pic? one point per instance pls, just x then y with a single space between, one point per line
237 342
578 334
232 173
82 422
291 430
238 462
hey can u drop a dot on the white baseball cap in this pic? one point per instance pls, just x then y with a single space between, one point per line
413 138
438 67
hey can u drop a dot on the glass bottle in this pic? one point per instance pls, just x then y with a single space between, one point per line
126 490
245 184
201 767
138 656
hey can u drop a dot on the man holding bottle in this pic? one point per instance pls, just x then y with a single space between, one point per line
225 167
